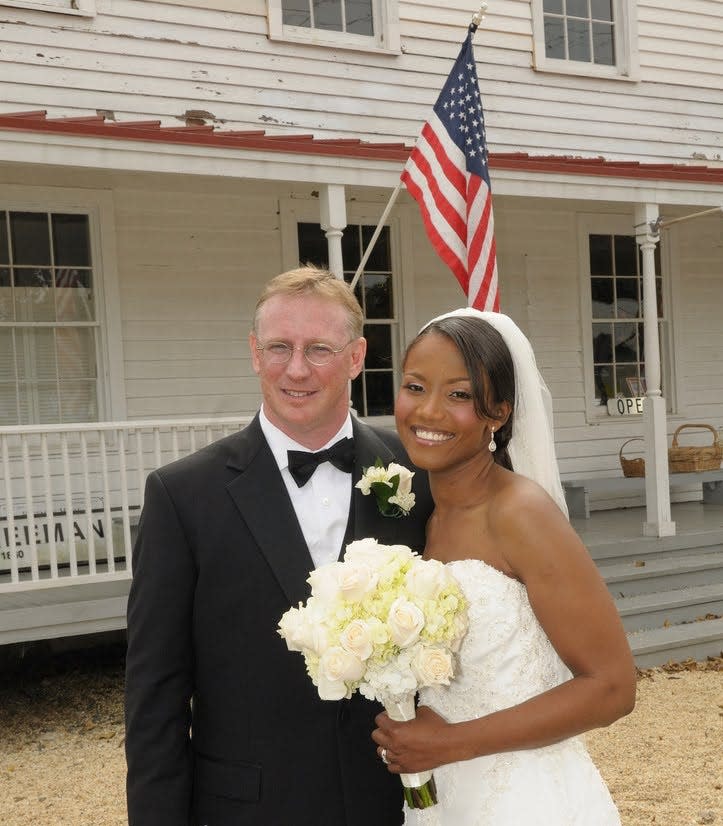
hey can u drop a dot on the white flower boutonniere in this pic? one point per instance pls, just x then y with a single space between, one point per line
392 486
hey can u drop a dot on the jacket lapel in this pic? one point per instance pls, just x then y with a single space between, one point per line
259 493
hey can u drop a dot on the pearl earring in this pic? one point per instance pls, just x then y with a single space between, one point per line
492 445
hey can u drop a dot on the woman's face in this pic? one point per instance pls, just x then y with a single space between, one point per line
435 413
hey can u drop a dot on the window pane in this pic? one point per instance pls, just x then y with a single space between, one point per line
601 256
4 249
296 13
378 296
555 37
30 238
7 358
602 342
75 353
602 9
379 346
604 385
33 294
327 15
578 40
626 342
626 254
357 395
73 296
553 6
659 296
626 293
35 355
380 394
622 374
577 8
379 259
71 242
603 44
359 19
351 249
313 248
6 295
78 402
602 298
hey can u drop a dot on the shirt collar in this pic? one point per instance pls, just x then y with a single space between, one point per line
280 443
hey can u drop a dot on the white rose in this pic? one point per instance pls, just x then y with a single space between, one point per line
405 478
426 578
356 638
338 664
366 552
331 689
405 621
291 626
355 580
324 582
303 630
433 666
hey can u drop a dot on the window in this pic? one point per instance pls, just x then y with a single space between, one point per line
593 37
617 314
81 8
373 390
354 24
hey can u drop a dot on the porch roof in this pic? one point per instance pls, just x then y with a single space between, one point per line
329 160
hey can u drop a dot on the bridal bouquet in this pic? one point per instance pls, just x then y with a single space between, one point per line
384 622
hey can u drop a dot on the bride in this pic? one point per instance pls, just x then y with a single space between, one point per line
545 657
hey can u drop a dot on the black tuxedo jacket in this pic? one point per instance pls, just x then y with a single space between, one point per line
223 725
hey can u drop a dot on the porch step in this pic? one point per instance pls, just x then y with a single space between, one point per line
667 608
627 579
694 640
619 550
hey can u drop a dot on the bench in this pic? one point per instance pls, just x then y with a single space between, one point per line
577 491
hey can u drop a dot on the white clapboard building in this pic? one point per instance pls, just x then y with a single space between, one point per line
160 161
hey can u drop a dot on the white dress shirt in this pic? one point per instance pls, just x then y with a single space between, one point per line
322 504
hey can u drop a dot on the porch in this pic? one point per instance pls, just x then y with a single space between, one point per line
72 496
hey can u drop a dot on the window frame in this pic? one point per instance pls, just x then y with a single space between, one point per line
294 211
77 8
627 58
617 224
386 38
98 206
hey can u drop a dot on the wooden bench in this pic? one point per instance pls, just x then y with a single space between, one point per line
577 491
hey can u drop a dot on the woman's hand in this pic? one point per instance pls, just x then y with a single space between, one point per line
416 745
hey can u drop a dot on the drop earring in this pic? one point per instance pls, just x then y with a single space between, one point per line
492 445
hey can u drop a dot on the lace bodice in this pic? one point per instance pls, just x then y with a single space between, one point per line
505 659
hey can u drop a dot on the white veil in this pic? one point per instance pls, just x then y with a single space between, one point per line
532 446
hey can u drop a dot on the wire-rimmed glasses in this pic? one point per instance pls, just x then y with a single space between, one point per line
316 353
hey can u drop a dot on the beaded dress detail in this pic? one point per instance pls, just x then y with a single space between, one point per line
505 659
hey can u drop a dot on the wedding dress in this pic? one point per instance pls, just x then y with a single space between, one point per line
505 659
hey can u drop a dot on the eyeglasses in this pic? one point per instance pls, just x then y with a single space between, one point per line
316 353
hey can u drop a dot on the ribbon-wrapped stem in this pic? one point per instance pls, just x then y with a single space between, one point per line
420 791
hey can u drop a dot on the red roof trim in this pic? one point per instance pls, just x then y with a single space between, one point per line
202 135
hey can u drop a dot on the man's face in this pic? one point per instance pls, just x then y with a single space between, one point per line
307 402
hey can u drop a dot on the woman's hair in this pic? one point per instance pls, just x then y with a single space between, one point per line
319 283
490 367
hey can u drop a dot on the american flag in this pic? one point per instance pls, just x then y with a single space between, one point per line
448 177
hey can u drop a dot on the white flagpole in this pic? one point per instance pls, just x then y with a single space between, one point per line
476 20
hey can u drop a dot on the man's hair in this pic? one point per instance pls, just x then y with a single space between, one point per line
319 283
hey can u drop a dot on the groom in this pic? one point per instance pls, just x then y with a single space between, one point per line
223 725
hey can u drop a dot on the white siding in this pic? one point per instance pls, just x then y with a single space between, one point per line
176 61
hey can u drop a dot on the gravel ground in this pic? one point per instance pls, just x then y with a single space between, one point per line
62 762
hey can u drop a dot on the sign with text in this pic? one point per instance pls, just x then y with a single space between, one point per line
626 406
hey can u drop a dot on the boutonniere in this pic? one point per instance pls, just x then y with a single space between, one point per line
392 486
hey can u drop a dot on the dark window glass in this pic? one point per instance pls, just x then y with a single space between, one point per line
602 10
577 8
578 40
4 250
327 15
603 45
626 294
603 305
625 255
602 342
359 18
71 242
626 342
601 257
604 383
378 296
379 394
296 13
380 255
313 247
379 347
552 6
30 238
555 37
351 248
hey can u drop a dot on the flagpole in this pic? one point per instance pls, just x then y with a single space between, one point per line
477 18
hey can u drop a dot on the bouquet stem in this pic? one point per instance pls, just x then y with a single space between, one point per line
420 791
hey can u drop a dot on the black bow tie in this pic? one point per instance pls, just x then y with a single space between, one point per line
302 464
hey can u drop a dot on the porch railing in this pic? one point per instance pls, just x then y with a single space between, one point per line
71 495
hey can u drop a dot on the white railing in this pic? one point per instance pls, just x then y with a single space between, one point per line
71 495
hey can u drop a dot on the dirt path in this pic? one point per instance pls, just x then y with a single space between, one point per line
62 762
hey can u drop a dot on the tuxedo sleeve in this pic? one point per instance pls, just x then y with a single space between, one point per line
159 666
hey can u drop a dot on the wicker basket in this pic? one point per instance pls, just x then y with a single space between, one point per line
632 467
689 459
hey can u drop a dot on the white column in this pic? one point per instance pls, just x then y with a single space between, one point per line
657 488
333 222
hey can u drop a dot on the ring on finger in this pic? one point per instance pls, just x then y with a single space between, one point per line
383 755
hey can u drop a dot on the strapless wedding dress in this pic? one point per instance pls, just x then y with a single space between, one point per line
506 658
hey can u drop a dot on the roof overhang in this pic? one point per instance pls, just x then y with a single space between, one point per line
97 143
